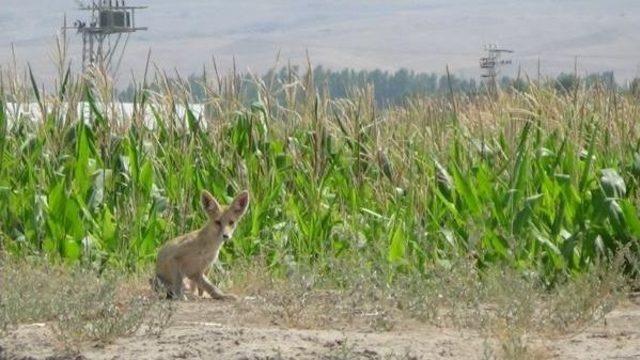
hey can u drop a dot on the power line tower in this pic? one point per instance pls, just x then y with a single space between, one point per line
109 21
491 63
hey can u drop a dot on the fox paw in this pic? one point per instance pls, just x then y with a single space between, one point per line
229 297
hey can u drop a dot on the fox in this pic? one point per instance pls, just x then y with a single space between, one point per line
188 257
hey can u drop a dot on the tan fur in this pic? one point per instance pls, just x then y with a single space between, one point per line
190 255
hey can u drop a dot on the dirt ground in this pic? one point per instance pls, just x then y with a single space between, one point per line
207 329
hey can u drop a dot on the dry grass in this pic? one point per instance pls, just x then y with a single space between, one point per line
78 304
512 311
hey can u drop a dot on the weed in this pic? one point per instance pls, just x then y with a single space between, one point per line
79 305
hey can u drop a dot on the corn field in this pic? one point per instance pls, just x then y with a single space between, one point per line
542 181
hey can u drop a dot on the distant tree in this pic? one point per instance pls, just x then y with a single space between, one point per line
390 87
605 79
127 94
635 87
520 85
566 82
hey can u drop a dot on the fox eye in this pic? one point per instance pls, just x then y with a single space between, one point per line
231 222
218 222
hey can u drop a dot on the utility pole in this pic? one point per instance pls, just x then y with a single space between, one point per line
491 63
109 21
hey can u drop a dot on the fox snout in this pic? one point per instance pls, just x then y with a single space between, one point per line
226 232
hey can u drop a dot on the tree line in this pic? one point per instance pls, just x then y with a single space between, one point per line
390 87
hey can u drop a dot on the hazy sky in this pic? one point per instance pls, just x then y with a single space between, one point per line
420 35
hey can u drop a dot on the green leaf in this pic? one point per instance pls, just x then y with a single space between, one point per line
496 244
109 230
81 166
635 165
466 190
100 178
590 158
444 179
146 177
612 183
397 248
56 200
71 250
552 249
631 217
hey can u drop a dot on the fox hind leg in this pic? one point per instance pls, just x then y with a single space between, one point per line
176 291
172 281
160 285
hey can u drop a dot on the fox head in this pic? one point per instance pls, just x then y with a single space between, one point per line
225 219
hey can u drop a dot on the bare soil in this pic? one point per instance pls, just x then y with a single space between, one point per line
207 329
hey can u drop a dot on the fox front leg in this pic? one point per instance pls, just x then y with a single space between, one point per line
196 290
212 290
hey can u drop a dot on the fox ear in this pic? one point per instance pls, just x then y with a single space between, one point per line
240 203
209 203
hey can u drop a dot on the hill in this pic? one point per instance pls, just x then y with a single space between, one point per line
420 35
